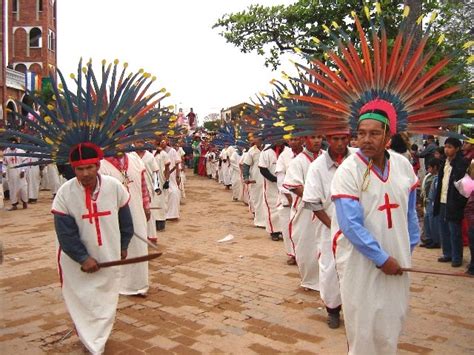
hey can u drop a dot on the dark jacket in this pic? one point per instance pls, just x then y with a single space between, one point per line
455 202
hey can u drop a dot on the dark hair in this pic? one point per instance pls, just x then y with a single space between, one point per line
398 144
456 143
440 150
414 147
434 163
429 136
87 153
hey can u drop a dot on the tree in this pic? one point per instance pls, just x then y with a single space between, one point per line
275 30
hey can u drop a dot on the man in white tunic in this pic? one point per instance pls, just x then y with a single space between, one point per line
245 195
161 207
234 160
174 194
93 225
33 178
374 232
317 198
16 177
152 168
130 171
225 166
271 196
254 179
287 197
302 221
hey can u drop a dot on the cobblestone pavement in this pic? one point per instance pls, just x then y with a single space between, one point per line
206 297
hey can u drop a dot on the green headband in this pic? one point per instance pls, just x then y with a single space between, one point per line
374 116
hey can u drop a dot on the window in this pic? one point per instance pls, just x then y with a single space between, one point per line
51 40
21 68
15 6
35 38
40 5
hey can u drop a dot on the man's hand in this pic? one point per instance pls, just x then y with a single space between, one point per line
90 265
249 182
22 175
289 198
147 214
391 267
123 254
298 191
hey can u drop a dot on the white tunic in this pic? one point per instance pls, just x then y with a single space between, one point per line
245 195
151 168
17 186
134 276
318 193
271 197
162 158
303 224
54 180
375 304
225 167
182 174
284 211
91 299
256 189
174 193
33 177
235 175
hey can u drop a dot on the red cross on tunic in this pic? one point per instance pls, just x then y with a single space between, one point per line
96 216
388 207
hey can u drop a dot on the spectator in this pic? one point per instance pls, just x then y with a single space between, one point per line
191 119
439 153
468 148
399 145
428 193
468 190
415 161
449 203
428 152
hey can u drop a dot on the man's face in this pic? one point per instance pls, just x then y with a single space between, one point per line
338 143
87 174
313 143
295 143
372 138
257 142
139 143
450 150
163 144
354 143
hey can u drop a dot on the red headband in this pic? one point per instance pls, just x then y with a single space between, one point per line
81 161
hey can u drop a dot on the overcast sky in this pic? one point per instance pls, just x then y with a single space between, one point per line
173 40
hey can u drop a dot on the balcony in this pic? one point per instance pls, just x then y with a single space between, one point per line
15 79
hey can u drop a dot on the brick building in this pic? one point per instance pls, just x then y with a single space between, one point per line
28 41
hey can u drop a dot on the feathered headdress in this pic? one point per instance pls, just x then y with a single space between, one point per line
107 112
378 74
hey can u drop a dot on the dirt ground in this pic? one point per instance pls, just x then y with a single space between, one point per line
207 297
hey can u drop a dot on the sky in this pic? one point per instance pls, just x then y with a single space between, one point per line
172 40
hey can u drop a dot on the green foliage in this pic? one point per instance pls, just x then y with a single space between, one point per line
272 31
212 125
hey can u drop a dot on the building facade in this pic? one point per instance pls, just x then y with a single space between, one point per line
29 55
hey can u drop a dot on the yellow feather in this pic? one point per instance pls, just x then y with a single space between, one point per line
287 136
468 44
378 8
116 61
72 76
406 11
316 40
441 39
433 17
335 25
282 109
326 29
367 12
297 50
104 61
420 19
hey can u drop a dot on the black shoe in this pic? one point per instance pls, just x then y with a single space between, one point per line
470 272
456 263
433 246
444 259
160 225
334 320
425 244
275 236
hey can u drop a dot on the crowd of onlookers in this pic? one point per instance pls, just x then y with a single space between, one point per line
446 195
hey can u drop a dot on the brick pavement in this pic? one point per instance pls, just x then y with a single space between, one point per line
206 297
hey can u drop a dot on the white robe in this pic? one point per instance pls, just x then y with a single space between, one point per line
256 189
303 224
17 186
54 180
235 175
91 299
161 206
134 278
271 196
225 167
375 304
182 174
33 178
151 167
318 193
284 210
174 193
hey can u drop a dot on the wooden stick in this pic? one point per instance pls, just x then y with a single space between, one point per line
436 272
138 259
